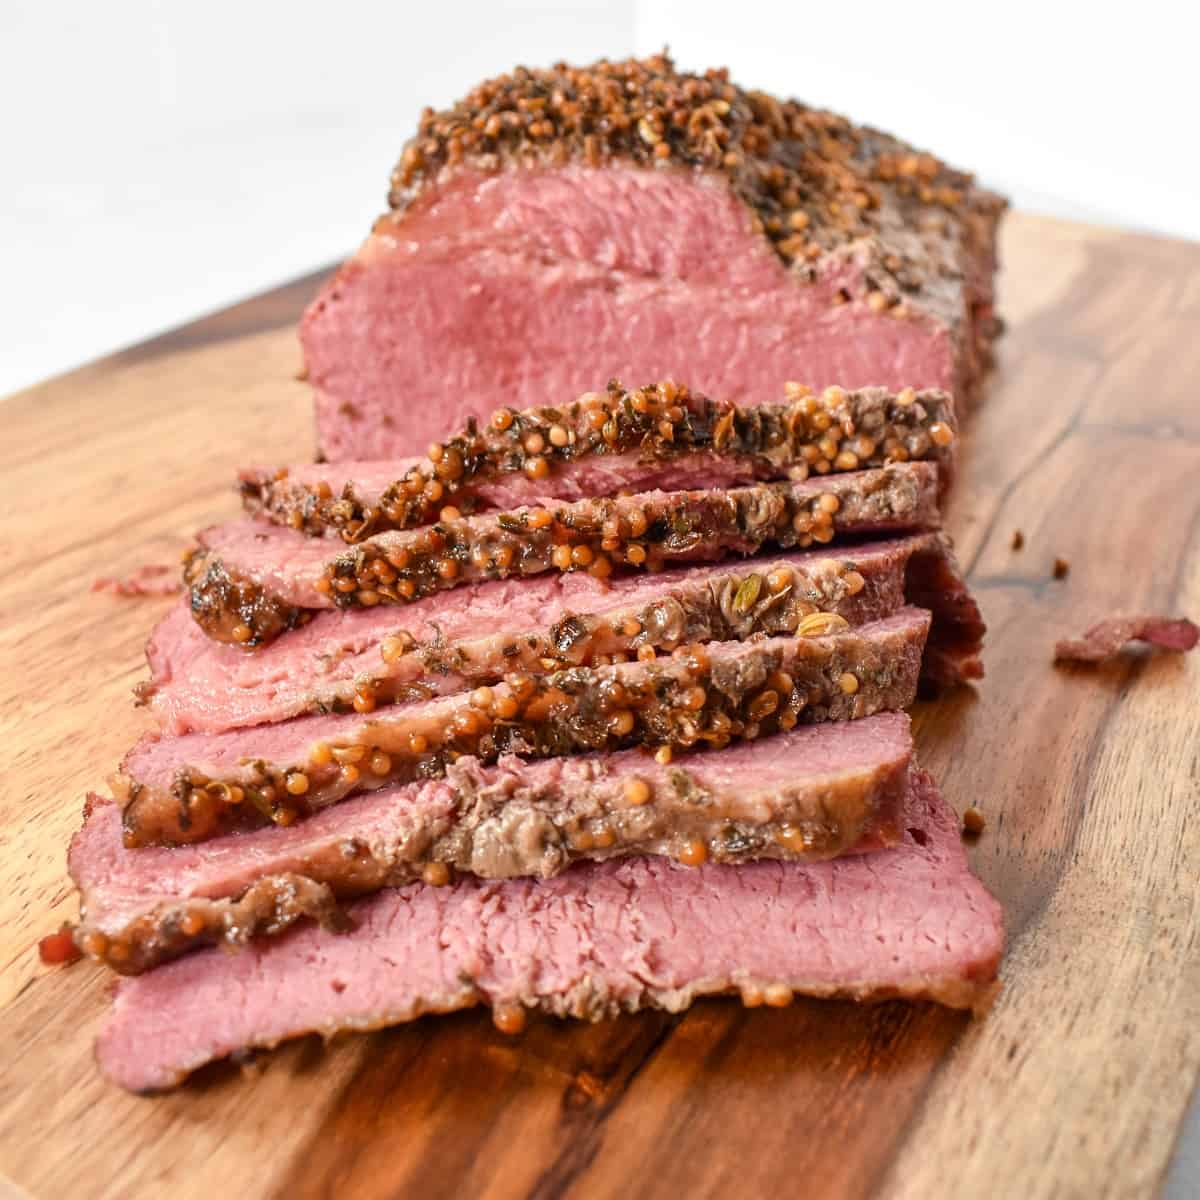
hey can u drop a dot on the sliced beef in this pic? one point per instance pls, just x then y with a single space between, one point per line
646 224
664 437
193 787
809 794
252 580
599 940
1106 638
475 635
934 581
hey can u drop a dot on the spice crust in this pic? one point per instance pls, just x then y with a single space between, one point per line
815 182
807 433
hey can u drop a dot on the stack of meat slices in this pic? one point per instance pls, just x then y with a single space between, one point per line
547 719
549 715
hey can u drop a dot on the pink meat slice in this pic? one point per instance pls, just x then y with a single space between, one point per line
370 477
825 790
156 761
599 940
660 437
198 684
594 476
287 565
282 562
177 790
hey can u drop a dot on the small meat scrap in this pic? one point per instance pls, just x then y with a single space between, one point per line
1106 638
154 579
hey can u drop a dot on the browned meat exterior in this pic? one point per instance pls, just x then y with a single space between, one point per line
601 939
228 602
252 580
698 230
475 635
190 788
660 437
809 794
1106 638
935 582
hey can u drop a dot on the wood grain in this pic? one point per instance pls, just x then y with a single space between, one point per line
1074 1085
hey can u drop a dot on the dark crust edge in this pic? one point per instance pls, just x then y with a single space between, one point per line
231 607
660 422
716 610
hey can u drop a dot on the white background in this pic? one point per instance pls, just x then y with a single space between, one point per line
161 158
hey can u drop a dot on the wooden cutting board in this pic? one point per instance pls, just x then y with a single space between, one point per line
1074 1085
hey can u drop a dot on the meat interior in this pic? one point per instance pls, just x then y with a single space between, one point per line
660 437
452 311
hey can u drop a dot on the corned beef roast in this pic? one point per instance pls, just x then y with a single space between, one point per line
189 788
563 226
251 580
475 635
665 437
806 795
488 725
600 939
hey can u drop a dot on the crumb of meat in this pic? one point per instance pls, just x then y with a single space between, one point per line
974 821
1106 638
1062 568
1018 540
154 579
